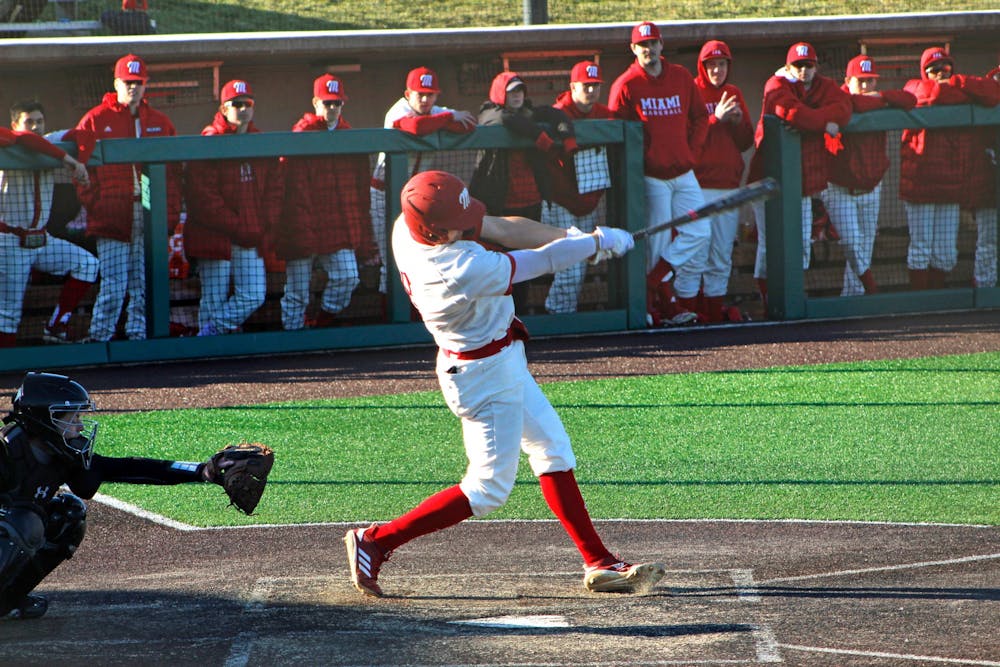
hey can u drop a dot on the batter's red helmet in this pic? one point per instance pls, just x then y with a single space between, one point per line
435 202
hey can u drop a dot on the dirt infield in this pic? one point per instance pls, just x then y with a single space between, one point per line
509 593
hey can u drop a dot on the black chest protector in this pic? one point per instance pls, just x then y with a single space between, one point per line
23 477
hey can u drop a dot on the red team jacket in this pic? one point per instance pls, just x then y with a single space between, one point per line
110 197
562 173
327 201
675 122
936 164
807 111
721 166
982 179
231 201
863 162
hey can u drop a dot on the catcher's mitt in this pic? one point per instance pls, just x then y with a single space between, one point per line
242 471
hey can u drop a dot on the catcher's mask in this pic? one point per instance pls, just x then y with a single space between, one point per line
50 406
436 202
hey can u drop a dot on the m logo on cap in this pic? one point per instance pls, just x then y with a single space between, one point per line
134 67
866 66
592 72
333 86
240 87
427 80
646 30
802 51
464 198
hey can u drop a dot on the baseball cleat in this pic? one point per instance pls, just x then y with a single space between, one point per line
32 606
364 558
623 577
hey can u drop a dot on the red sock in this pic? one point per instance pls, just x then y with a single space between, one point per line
563 496
658 273
69 298
443 509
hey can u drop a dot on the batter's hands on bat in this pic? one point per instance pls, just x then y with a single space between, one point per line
616 241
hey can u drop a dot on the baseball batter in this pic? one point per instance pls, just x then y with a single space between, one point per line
462 290
25 244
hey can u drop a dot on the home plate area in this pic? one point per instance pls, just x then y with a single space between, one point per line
704 616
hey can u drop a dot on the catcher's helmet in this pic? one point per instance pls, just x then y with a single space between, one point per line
48 406
435 202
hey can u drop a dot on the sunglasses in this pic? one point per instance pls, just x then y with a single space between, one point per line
240 104
937 69
804 64
333 103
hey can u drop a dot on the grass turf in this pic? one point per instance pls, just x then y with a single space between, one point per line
907 440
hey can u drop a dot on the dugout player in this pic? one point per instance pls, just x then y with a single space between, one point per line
817 108
463 292
418 113
720 171
47 441
326 215
25 243
853 196
576 192
935 167
663 96
114 201
232 207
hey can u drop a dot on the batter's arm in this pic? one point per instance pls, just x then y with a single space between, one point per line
518 233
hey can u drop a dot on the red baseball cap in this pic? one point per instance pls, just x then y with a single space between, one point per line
935 54
861 67
329 87
644 32
586 71
802 51
422 80
235 88
435 202
131 68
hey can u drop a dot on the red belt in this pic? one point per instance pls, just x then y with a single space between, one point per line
377 184
19 232
516 331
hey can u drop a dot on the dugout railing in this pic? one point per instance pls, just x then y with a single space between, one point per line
790 298
626 305
626 308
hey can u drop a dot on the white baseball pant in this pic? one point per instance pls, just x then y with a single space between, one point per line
985 269
855 217
245 270
688 253
377 202
123 270
503 412
564 294
725 225
341 268
760 265
933 236
57 257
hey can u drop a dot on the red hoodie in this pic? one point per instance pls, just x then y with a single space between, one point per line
674 119
936 164
230 201
863 162
982 179
807 111
327 202
721 166
113 188
561 166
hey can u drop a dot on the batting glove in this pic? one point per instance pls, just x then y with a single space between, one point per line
617 241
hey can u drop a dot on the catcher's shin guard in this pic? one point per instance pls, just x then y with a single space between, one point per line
22 534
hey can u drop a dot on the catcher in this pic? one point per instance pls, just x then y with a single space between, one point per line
46 443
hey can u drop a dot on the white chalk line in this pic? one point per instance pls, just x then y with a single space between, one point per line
884 568
892 656
135 510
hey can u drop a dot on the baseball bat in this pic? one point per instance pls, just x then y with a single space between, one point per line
762 189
